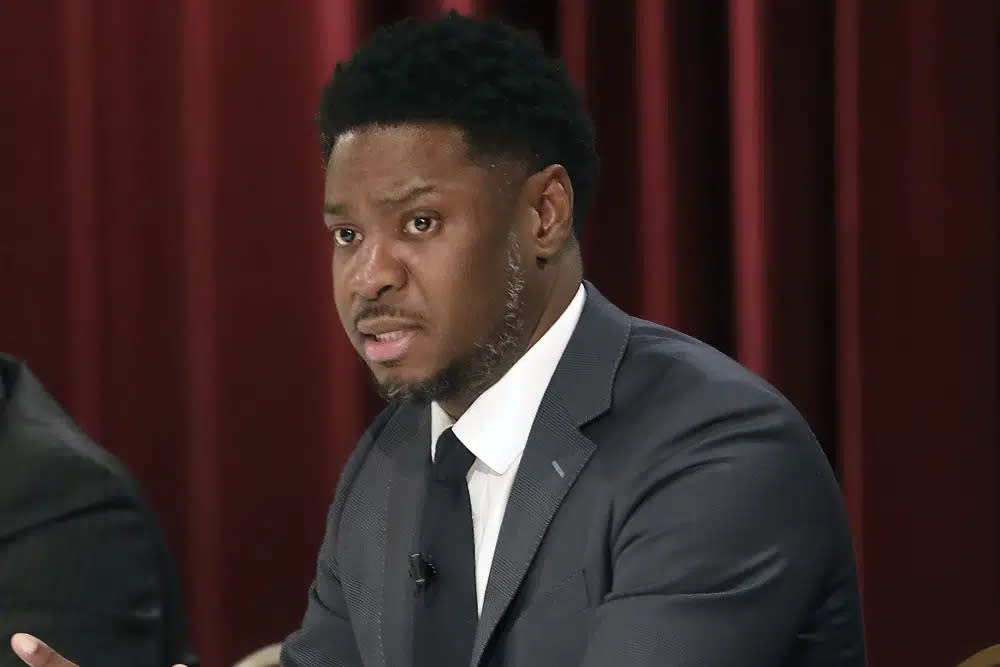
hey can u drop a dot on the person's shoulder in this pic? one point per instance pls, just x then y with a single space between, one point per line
666 364
47 460
394 416
674 395
661 378
35 427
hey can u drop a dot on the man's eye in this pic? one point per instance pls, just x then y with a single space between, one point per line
421 224
344 236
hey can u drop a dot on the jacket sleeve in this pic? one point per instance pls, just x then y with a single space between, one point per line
326 638
78 566
724 541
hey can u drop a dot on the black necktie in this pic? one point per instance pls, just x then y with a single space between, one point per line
446 614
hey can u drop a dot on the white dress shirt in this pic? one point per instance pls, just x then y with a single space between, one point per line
495 429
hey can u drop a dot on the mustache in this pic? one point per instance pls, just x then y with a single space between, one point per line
384 310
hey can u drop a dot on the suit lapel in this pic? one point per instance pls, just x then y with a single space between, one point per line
408 447
555 453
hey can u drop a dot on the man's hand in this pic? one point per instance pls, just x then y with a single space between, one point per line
37 653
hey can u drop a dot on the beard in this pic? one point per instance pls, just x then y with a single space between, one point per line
487 361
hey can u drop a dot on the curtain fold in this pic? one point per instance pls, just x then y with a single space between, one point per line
917 227
811 187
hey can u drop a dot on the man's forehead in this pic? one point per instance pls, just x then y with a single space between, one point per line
392 181
392 163
383 193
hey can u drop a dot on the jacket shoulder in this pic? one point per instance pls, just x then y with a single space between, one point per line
673 393
48 464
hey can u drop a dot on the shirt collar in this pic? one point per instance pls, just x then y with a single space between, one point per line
496 426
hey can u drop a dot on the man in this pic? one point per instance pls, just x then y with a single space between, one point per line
553 482
82 561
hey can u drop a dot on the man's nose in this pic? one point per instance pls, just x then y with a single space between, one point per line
377 271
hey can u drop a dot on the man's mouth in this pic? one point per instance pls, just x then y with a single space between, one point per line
389 346
386 337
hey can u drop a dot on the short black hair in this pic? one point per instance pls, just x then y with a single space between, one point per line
489 79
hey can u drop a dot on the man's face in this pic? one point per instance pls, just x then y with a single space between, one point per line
426 262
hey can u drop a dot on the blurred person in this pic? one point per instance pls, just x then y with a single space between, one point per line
553 481
82 560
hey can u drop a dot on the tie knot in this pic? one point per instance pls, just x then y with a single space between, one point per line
452 459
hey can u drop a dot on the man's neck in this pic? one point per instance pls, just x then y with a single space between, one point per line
556 301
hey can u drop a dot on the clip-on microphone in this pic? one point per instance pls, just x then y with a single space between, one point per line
422 572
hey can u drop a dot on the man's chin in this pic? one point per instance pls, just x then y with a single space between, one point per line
404 391
394 383
458 377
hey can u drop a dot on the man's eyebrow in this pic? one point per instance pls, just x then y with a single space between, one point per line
334 208
407 195
395 199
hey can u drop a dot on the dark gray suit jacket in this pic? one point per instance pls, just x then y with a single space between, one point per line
82 562
671 508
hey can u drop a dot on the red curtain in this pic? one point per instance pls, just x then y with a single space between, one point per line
810 186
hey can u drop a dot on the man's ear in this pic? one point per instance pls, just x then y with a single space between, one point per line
549 194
